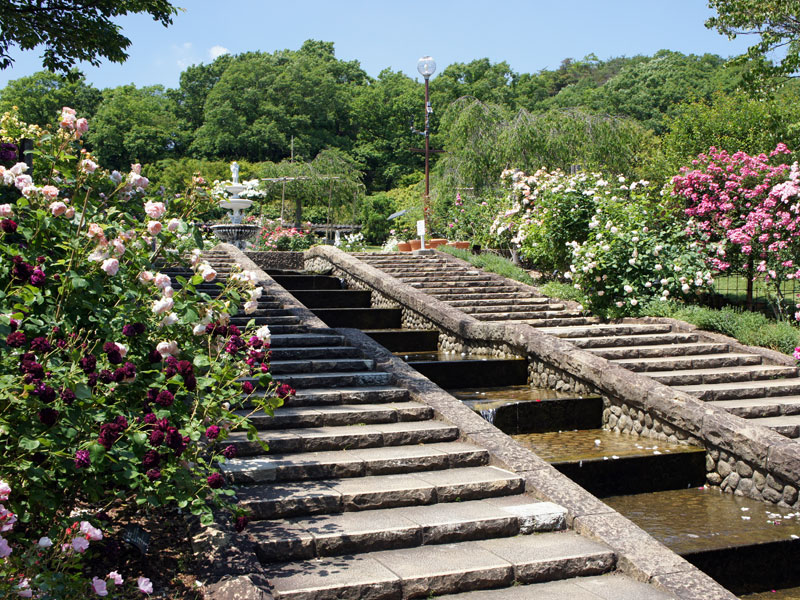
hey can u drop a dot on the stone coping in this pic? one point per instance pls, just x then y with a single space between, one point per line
639 555
757 445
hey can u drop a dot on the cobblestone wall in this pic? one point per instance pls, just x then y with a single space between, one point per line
288 261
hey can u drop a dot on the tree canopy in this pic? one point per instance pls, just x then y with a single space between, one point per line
776 23
72 30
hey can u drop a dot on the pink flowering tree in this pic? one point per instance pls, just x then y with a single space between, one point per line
118 384
745 212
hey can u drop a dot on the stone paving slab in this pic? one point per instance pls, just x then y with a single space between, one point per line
605 587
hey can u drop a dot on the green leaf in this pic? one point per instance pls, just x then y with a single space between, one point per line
201 361
28 444
83 391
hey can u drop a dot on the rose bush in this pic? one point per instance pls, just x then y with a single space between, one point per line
745 212
118 384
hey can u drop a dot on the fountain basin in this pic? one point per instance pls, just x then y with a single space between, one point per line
236 234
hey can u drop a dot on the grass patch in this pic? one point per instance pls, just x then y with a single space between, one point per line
562 291
750 328
491 262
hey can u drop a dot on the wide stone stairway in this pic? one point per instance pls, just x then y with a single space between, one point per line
744 383
365 494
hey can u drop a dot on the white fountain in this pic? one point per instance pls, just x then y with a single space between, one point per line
236 233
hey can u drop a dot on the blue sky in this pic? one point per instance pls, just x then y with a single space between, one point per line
530 35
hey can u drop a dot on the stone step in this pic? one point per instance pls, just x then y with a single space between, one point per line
319 439
611 586
659 350
722 375
768 388
329 416
406 340
612 329
624 341
470 287
442 569
753 408
788 425
293 329
360 462
300 353
241 319
317 380
334 298
558 322
346 395
404 527
522 313
308 282
277 500
486 304
450 279
692 361
445 296
320 365
360 318
305 340
497 306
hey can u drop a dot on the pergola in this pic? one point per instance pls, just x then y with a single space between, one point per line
298 211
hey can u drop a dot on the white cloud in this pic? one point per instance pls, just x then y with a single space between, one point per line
216 51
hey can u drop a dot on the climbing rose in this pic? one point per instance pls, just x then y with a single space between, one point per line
797 353
173 225
144 585
6 211
82 459
45 542
229 452
154 210
263 334
167 348
212 432
115 577
91 532
8 226
5 549
215 481
161 280
154 227
99 587
80 544
110 266
58 208
164 305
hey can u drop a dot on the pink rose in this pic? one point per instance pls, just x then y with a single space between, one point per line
154 227
208 273
18 169
80 544
5 491
6 211
88 166
110 266
154 210
797 353
81 126
50 191
89 530
167 348
168 292
162 280
162 306
115 577
173 225
145 277
70 212
144 585
99 587
5 549
58 208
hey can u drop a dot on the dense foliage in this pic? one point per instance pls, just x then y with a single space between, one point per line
116 387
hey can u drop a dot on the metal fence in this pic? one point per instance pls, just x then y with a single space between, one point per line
736 289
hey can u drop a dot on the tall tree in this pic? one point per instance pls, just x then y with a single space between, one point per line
135 125
777 25
39 97
72 30
262 101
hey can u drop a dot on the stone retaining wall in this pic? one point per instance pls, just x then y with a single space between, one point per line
286 261
633 403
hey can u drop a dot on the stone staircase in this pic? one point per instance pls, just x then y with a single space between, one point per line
743 383
365 494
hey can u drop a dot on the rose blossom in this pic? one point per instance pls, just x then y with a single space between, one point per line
45 542
144 585
169 320
80 544
208 273
58 208
154 227
167 348
6 211
154 210
115 577
161 280
263 334
110 266
162 306
5 549
99 587
91 532
173 225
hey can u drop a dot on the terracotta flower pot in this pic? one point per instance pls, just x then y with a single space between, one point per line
460 245
435 242
415 244
403 247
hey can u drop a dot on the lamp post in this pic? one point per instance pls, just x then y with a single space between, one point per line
427 67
